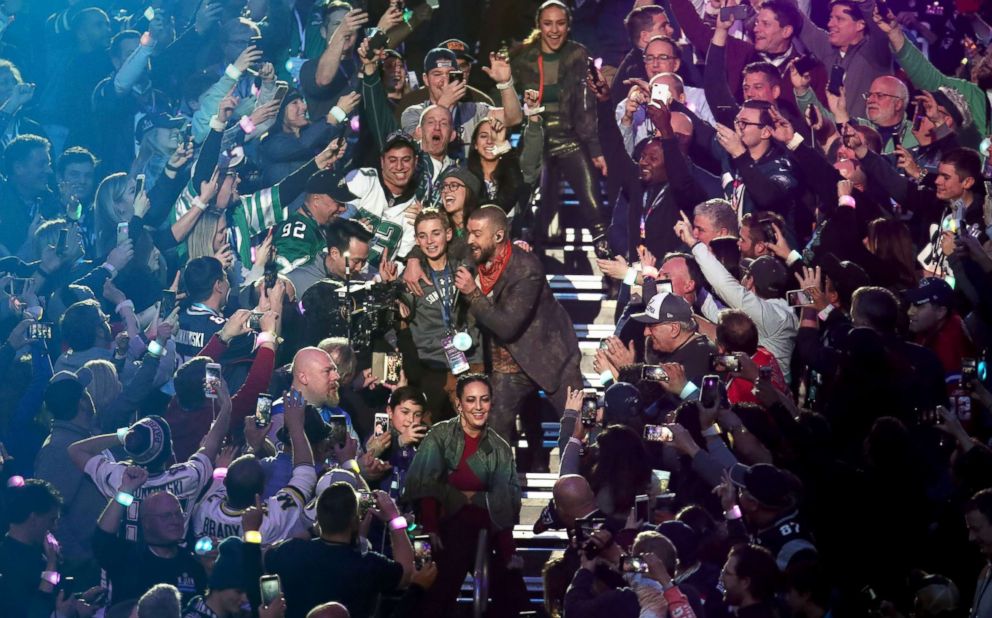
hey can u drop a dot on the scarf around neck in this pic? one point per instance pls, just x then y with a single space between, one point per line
489 273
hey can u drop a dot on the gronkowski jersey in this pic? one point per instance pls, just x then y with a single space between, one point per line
384 213
196 326
297 241
214 518
184 480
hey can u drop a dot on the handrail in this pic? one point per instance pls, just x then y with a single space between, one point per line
480 576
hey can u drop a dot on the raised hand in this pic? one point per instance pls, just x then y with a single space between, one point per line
683 229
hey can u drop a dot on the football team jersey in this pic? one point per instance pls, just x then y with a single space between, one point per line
385 214
297 241
213 517
184 480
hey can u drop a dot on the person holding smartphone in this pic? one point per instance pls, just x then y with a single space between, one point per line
550 63
463 480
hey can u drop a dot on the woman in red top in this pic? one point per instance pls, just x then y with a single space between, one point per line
463 479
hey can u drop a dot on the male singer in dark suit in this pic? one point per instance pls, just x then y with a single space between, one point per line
531 342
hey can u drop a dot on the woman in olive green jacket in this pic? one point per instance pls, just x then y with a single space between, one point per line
463 480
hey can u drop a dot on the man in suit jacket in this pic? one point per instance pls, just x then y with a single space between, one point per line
530 340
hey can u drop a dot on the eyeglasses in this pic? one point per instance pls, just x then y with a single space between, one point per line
661 58
878 95
743 124
452 186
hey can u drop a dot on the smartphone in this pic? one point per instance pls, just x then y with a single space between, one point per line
67 585
836 80
224 160
805 64
139 183
593 69
661 480
122 232
725 362
263 410
270 587
633 564
764 373
709 394
883 9
386 367
63 240
421 549
590 404
339 429
255 321
661 92
654 373
186 133
798 298
658 433
768 230
641 510
281 91
381 423
738 13
366 502
39 331
455 76
211 378
664 285
585 526
149 13
602 248
377 40
167 304
814 115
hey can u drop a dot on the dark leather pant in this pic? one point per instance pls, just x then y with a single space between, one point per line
565 159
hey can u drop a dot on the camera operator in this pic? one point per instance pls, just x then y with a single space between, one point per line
332 567
341 238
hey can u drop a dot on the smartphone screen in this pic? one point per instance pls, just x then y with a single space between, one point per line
455 76
657 433
381 423
122 232
339 429
211 379
167 304
263 410
421 549
709 395
270 587
139 184
836 80
63 240
38 331
798 298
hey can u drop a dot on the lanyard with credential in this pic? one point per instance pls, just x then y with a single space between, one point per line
447 304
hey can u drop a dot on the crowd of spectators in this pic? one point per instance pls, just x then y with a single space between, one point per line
275 315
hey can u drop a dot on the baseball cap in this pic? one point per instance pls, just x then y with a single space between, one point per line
400 137
460 49
471 180
440 58
845 275
157 120
931 290
770 276
771 486
664 307
64 391
621 403
331 183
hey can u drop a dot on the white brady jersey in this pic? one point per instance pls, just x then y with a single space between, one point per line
184 480
214 518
